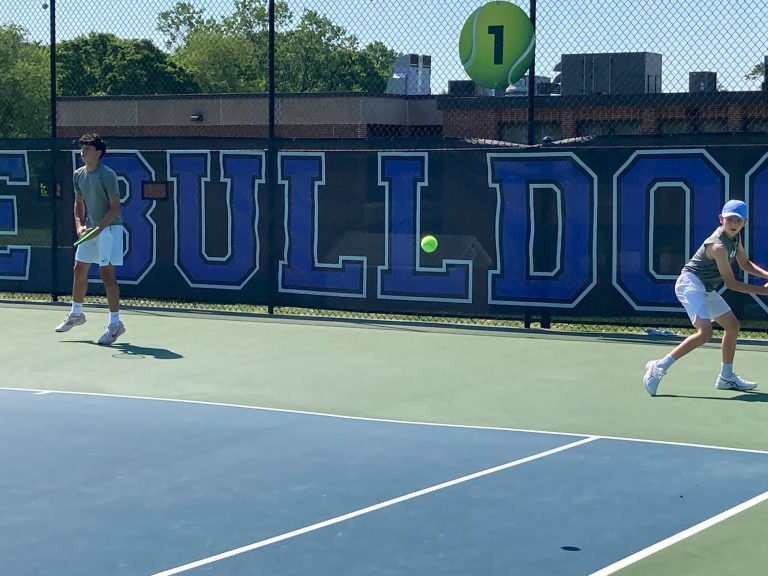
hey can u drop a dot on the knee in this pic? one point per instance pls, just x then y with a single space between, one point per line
730 323
107 276
705 333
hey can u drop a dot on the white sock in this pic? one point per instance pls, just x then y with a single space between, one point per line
666 362
77 308
114 318
726 370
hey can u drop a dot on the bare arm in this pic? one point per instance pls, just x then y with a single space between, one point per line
79 211
719 254
748 266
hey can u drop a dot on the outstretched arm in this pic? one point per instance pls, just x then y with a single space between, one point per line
719 254
748 266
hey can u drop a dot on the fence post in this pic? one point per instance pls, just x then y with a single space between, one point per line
532 81
271 164
52 158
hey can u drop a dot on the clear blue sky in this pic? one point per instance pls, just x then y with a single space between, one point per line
728 37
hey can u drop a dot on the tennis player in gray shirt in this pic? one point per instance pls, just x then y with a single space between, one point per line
97 205
696 288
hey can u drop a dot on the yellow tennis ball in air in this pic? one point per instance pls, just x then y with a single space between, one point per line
497 44
429 243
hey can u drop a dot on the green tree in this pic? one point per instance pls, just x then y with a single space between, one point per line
248 20
24 85
222 63
226 56
375 67
320 56
178 22
757 73
251 19
103 64
314 55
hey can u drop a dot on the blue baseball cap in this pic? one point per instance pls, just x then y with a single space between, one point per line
734 208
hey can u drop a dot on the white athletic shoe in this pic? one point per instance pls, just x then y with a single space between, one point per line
70 322
112 333
652 377
734 383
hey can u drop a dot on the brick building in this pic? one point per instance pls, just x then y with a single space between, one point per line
361 116
334 116
568 117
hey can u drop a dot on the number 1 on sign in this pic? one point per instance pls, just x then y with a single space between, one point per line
498 43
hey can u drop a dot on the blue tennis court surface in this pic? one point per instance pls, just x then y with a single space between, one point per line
99 485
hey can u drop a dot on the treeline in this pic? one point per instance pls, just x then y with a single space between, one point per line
199 55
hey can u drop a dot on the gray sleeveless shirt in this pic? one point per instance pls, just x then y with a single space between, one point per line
704 267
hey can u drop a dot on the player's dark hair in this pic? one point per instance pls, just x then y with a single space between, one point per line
95 141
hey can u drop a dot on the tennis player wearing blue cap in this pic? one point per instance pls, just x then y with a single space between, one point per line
696 288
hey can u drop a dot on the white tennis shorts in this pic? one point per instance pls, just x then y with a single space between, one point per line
105 250
697 301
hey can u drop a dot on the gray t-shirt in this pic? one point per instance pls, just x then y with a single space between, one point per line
96 188
704 267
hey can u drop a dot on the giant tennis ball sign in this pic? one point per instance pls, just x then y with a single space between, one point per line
496 45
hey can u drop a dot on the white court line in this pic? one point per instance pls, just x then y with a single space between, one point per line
388 421
636 557
369 509
604 572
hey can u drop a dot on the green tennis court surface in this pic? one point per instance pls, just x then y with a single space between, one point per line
563 465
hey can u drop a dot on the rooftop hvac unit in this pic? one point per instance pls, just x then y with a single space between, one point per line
411 75
619 73
702 82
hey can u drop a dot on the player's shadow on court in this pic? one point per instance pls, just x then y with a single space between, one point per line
157 353
128 350
745 397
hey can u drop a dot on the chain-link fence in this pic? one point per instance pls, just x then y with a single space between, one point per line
601 68
387 74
